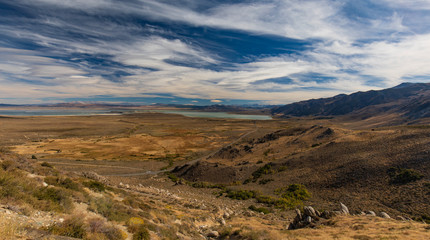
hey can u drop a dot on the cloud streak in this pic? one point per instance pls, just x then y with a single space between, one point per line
271 51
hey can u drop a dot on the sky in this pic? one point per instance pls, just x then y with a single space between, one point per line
207 51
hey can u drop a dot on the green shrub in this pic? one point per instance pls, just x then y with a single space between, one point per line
403 175
17 188
282 168
207 185
241 194
56 199
266 199
266 169
247 181
110 209
287 203
294 191
290 197
260 209
172 177
141 233
265 181
63 182
95 186
46 164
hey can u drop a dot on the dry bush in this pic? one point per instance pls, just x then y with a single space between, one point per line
73 226
99 229
16 188
8 228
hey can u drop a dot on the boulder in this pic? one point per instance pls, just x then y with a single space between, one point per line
213 234
298 214
344 209
384 215
309 211
371 213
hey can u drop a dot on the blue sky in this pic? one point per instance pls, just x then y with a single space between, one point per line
208 51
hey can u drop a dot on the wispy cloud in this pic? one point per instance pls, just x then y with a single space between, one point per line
274 51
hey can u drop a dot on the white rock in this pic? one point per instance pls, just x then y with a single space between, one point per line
344 209
371 213
309 211
384 215
44 184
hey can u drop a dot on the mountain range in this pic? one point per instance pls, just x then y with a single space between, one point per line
409 100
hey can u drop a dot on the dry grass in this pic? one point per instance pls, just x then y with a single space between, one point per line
364 228
124 137
9 228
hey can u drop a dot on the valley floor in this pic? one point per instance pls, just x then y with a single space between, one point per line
140 173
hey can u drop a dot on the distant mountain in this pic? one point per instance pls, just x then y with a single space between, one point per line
411 100
8 105
86 105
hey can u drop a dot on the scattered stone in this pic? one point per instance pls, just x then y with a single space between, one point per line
95 176
213 234
401 218
226 215
298 213
308 219
363 214
44 184
327 214
384 215
309 211
371 213
344 209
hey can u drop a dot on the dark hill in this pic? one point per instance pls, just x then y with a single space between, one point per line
411 100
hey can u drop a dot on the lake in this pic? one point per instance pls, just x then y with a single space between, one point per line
89 112
215 114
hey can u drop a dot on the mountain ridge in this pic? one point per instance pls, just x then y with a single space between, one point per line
410 100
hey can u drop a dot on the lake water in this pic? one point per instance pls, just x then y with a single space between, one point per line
88 112
215 115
